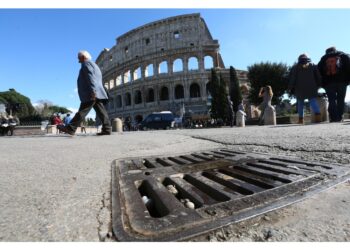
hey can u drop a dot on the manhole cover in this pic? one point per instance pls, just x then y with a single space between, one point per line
177 197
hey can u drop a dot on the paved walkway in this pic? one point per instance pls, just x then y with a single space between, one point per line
57 188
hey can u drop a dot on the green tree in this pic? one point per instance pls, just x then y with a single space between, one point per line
46 108
267 73
213 86
20 104
218 90
90 122
59 109
235 90
223 110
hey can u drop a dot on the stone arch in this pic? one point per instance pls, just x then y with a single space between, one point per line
127 76
195 90
149 70
164 94
207 88
111 84
118 101
137 97
127 98
137 73
208 62
163 67
118 80
111 103
150 95
193 63
179 91
178 65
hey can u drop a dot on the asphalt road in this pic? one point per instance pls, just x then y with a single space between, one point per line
57 188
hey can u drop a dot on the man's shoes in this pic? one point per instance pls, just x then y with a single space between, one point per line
318 118
66 130
104 133
301 120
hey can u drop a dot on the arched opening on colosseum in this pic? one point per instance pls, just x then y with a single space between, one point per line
150 95
127 99
193 63
138 119
163 68
195 90
111 104
111 84
179 92
178 65
149 70
106 85
164 94
118 80
207 88
137 73
119 101
208 62
177 35
138 97
127 76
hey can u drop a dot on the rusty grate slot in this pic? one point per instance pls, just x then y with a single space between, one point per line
180 196
302 163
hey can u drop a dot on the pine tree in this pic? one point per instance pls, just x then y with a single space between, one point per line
214 89
235 90
223 109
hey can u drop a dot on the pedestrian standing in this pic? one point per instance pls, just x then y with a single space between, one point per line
304 81
334 67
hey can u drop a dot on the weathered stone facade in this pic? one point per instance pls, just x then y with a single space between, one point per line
163 65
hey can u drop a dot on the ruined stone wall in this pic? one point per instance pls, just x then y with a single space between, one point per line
163 65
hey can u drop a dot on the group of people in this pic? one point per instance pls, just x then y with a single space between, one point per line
331 73
8 124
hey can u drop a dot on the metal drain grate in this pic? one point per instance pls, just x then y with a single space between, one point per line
212 189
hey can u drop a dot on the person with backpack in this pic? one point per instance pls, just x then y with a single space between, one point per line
334 67
304 81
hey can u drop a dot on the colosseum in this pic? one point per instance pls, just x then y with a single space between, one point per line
162 66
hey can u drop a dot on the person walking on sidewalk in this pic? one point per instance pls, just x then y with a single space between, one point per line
304 81
91 94
334 67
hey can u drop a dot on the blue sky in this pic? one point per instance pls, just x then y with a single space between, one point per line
39 46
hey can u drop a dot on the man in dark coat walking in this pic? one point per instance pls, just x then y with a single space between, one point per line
334 67
91 94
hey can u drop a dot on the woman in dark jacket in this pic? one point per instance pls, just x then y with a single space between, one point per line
305 79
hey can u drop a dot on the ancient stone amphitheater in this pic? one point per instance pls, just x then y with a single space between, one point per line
164 65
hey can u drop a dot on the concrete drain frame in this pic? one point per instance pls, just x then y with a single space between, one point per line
225 186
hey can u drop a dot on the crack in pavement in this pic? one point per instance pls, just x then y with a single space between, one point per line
104 216
274 146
